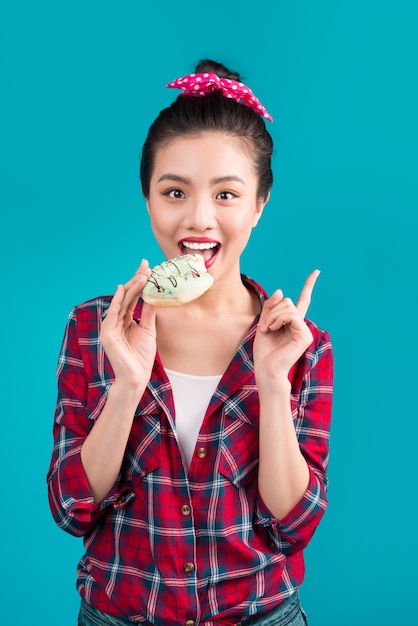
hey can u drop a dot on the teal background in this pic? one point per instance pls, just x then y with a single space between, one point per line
80 84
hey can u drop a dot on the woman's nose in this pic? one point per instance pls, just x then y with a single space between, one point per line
200 215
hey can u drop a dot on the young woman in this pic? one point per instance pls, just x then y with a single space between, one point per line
191 443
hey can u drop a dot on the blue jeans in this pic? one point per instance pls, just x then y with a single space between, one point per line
289 613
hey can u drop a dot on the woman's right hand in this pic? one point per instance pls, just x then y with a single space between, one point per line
130 346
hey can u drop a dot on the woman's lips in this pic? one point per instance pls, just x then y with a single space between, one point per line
208 248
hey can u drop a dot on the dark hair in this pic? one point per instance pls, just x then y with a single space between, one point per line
189 115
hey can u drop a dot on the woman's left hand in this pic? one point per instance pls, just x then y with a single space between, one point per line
282 335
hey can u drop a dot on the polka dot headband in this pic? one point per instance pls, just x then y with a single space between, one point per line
202 84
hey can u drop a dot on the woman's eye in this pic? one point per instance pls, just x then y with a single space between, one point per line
225 195
174 193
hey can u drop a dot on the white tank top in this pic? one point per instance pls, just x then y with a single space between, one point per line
192 395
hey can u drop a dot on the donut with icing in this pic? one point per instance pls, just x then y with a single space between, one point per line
177 281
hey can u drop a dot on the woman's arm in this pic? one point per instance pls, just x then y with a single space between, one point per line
283 474
103 450
281 339
93 421
130 347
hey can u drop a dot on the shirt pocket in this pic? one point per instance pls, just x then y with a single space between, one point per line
239 456
142 458
143 452
238 461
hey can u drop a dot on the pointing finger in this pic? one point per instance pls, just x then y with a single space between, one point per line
306 293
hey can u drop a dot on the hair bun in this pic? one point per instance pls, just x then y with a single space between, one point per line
207 65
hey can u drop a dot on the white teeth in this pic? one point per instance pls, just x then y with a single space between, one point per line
199 246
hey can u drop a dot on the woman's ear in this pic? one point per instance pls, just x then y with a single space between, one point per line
261 203
146 201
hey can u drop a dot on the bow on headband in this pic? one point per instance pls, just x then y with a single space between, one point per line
202 84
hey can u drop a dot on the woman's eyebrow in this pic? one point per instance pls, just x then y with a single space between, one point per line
225 179
178 179
213 181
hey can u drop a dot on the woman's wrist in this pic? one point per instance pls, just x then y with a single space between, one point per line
127 391
277 384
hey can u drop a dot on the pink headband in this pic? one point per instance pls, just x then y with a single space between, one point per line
202 84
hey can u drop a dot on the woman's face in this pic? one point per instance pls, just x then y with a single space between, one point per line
203 199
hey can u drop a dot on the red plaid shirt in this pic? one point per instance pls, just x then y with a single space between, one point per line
167 546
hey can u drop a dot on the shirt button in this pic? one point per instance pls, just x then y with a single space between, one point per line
185 509
188 567
190 622
201 453
121 499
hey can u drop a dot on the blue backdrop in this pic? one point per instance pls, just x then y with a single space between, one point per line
80 84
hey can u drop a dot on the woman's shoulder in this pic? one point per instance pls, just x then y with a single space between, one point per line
94 308
316 329
321 343
91 303
320 350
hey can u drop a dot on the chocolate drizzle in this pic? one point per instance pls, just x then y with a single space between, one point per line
162 272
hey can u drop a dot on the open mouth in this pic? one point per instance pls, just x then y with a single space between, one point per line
208 249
